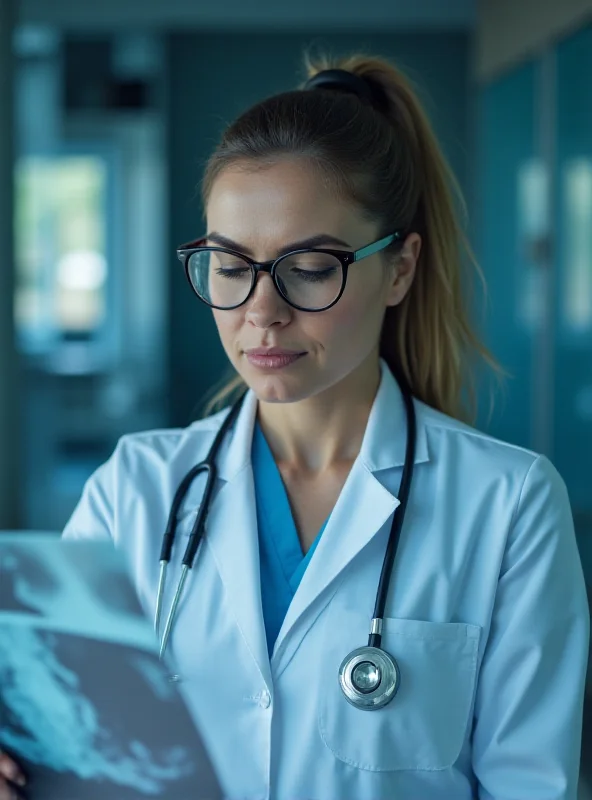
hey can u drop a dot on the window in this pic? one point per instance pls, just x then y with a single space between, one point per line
61 248
576 270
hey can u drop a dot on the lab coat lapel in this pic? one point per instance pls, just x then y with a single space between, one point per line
363 507
367 501
232 536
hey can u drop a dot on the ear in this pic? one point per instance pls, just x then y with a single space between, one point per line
403 270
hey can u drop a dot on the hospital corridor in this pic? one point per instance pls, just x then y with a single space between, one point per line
109 115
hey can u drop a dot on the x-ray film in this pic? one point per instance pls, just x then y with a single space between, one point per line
86 707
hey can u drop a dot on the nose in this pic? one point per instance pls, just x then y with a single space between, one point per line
266 306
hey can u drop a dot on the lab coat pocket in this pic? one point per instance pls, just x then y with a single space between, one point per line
424 725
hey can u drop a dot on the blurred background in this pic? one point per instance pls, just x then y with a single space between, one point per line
107 113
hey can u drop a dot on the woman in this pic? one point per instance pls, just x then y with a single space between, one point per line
486 614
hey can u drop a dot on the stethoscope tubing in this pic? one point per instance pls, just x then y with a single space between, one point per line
198 529
375 637
208 465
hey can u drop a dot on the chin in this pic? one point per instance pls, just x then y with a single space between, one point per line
274 389
274 386
271 392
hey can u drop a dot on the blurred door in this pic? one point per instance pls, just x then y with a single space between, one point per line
509 177
572 417
535 200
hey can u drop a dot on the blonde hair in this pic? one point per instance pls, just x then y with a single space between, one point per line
390 165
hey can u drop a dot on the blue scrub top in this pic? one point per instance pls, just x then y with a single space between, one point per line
282 561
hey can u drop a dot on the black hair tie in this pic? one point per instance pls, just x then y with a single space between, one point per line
366 89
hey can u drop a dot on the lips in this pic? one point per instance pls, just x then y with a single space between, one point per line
268 360
272 351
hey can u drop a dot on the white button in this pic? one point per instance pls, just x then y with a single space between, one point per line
265 699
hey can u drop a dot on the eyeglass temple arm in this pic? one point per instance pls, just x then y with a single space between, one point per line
375 247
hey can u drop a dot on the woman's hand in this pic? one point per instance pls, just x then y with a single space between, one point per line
11 776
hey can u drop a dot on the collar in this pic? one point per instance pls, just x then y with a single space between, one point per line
385 438
383 445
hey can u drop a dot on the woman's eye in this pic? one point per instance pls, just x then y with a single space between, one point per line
314 276
232 272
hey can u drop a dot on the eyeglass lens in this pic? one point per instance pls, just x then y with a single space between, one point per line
310 280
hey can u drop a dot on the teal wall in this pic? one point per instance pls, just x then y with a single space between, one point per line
505 144
211 79
572 407
541 107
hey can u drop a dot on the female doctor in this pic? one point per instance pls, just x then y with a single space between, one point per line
485 625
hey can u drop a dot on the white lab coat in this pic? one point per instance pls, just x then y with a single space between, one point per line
487 615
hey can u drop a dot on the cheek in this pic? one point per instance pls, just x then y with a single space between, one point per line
352 314
349 322
227 322
229 325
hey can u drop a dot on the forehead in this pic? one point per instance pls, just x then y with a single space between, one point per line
286 199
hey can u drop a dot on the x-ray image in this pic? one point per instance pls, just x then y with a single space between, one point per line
86 707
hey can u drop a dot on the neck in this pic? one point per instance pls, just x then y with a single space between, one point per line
324 432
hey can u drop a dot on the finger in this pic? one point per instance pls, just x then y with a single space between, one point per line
9 792
11 770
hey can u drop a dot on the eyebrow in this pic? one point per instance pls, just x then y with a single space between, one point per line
318 240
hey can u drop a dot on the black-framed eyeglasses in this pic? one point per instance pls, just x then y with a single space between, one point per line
308 280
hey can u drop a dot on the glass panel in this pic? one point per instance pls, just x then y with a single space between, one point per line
572 453
60 246
577 245
533 230
508 218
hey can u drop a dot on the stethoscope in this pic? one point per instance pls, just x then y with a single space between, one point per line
369 676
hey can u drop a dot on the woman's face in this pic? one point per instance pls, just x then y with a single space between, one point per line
265 212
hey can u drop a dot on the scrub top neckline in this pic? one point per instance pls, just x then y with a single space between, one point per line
281 560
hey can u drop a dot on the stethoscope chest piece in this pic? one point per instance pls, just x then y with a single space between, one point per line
369 678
